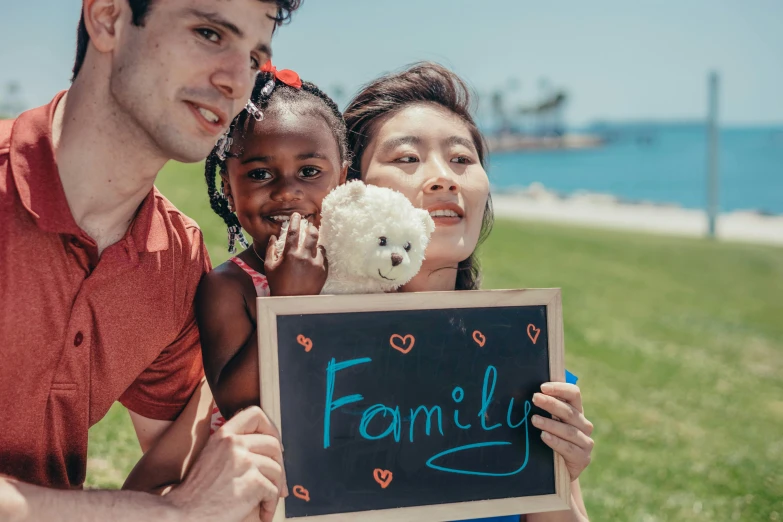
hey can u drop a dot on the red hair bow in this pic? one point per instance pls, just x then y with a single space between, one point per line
287 76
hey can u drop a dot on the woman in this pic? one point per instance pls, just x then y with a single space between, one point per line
413 132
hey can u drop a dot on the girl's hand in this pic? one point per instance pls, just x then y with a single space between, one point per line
300 269
568 432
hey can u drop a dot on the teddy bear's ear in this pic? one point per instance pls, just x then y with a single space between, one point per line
351 191
355 189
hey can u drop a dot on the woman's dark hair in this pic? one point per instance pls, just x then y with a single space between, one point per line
270 101
139 11
421 83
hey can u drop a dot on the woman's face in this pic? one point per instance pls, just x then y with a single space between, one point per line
427 153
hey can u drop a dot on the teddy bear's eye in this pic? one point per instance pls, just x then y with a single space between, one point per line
382 240
407 247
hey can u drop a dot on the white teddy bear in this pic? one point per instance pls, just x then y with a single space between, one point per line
374 239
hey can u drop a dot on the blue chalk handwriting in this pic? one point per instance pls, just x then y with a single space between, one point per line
429 413
486 398
394 427
394 417
458 394
331 369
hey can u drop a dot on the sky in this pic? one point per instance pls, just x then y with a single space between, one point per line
617 60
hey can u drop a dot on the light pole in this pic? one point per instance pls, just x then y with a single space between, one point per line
712 154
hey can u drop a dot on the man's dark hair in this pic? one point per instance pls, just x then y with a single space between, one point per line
428 83
307 100
139 11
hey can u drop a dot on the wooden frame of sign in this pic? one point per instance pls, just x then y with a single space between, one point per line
271 309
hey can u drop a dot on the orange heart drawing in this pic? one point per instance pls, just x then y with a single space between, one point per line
301 493
305 341
382 477
533 338
404 341
479 338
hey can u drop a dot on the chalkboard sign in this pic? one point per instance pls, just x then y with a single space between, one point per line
413 406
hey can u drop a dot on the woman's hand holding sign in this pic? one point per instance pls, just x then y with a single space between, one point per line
568 432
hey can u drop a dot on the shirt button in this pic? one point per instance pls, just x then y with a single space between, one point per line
77 341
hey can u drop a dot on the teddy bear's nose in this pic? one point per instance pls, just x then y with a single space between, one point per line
396 259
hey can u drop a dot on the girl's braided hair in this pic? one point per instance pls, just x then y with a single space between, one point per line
270 96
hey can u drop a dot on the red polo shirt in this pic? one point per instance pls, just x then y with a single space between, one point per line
79 331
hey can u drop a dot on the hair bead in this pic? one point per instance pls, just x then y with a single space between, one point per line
254 111
268 88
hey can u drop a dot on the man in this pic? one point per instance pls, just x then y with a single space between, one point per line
99 270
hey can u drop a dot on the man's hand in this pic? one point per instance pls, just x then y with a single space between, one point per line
240 468
298 269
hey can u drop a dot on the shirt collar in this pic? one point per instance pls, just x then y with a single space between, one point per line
35 173
149 232
37 180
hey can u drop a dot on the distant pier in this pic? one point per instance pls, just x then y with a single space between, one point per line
522 142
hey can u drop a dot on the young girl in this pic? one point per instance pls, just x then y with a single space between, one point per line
280 157
278 161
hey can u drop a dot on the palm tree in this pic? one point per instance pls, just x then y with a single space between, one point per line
499 112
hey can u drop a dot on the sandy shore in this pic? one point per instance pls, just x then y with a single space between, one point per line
605 211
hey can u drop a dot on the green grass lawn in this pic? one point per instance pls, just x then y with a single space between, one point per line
678 345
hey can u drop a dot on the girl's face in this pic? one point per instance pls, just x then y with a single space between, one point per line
427 153
288 163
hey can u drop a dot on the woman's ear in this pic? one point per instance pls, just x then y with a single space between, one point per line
344 173
102 19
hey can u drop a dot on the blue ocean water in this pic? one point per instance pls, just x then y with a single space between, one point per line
662 165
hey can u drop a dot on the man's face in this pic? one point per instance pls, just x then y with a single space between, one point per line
184 75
